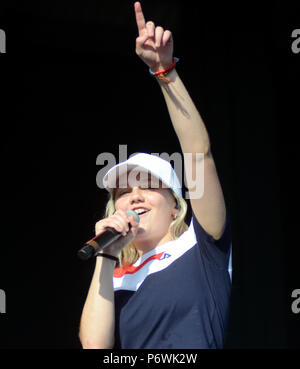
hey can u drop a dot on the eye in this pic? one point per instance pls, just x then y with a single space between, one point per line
153 187
149 186
122 192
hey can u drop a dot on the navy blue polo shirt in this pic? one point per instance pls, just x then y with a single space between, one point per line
177 295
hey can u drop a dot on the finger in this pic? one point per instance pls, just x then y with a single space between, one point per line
101 226
123 221
150 28
133 222
115 222
139 16
159 31
140 42
167 36
123 217
117 225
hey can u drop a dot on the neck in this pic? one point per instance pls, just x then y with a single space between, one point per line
144 246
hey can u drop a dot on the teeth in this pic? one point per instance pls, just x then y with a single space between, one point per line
141 210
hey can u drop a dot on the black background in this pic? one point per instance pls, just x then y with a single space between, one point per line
73 88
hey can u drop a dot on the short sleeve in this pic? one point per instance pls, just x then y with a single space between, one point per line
216 252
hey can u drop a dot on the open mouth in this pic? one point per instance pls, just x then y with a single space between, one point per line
141 211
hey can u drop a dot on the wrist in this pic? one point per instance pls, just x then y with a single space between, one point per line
160 66
163 67
163 73
171 76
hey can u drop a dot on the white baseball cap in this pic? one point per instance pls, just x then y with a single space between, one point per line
144 163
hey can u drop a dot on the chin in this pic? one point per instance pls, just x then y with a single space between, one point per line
141 232
143 235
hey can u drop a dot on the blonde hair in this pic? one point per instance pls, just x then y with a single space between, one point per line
129 254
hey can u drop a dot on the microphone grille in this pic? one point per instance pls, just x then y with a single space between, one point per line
135 215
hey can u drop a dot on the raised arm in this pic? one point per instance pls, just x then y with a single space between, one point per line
154 46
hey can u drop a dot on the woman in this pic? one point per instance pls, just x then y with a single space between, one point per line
171 288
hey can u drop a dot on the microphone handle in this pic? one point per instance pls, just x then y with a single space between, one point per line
98 243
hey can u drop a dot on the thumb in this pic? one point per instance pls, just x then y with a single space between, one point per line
134 225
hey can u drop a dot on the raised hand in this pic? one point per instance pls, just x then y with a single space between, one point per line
154 45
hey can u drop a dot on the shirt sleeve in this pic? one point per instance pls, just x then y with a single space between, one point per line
216 252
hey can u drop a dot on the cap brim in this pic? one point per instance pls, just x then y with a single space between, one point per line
111 179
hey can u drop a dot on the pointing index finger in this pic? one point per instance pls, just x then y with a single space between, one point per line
139 16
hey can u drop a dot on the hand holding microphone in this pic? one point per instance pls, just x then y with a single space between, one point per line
112 233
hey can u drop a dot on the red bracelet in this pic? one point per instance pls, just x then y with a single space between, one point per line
170 67
167 70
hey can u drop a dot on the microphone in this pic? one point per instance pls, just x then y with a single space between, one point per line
103 240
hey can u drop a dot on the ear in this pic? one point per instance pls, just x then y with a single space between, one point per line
175 213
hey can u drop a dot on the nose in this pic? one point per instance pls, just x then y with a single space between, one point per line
136 195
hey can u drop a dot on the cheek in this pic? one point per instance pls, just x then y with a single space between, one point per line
162 207
156 201
120 205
